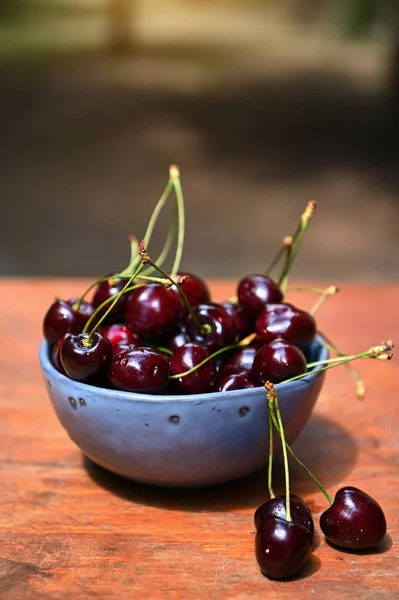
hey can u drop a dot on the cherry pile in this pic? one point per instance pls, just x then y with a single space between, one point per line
154 330
149 335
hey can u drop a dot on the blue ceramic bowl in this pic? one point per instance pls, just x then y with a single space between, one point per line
195 440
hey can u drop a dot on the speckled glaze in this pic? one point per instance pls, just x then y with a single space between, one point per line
192 441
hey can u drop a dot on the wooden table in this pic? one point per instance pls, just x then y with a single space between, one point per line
72 530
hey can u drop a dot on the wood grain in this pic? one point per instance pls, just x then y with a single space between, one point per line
70 529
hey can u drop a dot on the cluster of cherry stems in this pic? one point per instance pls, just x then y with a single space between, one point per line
161 333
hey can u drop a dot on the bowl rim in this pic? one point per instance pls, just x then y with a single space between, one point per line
48 367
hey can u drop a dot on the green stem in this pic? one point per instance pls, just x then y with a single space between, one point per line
301 464
286 466
302 288
377 352
297 240
93 285
360 387
203 362
270 465
154 217
330 291
175 179
335 360
165 250
105 303
286 249
163 349
116 298
134 247
204 328
242 343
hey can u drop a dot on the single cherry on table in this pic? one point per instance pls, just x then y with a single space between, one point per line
354 521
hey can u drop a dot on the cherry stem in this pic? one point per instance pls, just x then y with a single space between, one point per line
286 248
273 404
125 273
270 464
175 180
330 291
360 387
134 248
382 352
163 349
297 240
294 456
154 217
166 249
244 342
77 304
304 288
115 298
204 328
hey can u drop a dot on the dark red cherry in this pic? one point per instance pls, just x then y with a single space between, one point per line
195 290
281 547
240 361
84 360
236 381
107 289
123 346
242 325
143 370
178 339
120 334
55 356
62 318
85 308
278 361
355 520
153 310
202 380
222 330
276 507
255 291
285 321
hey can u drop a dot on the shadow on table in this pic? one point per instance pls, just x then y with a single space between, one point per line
381 548
328 450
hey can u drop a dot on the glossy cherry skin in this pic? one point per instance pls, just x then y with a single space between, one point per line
202 380
277 362
254 291
222 332
177 340
85 308
107 289
62 318
242 325
123 346
82 362
153 310
236 381
240 361
143 370
355 520
120 334
285 321
195 290
55 356
276 507
281 547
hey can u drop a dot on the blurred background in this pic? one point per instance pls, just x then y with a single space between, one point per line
263 104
